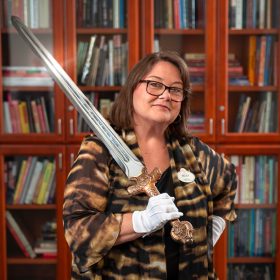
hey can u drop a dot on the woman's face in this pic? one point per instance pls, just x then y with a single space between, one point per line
157 110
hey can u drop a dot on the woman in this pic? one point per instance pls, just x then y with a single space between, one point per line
114 235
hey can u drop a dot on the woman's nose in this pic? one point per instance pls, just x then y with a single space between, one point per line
166 95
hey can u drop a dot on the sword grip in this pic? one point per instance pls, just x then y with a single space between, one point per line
146 183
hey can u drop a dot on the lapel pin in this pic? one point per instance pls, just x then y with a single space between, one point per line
185 176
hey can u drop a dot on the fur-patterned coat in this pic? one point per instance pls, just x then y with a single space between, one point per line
96 197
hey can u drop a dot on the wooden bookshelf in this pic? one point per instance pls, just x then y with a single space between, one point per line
75 33
45 144
199 39
217 96
222 253
33 216
215 103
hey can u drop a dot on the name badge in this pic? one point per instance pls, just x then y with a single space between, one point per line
185 176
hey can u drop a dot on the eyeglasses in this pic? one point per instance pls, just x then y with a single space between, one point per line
156 88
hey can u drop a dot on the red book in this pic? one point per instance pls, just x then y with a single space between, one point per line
19 236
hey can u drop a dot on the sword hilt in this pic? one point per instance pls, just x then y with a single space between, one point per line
146 183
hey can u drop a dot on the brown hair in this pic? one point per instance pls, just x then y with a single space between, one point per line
122 110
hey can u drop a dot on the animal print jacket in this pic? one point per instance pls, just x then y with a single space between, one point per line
96 198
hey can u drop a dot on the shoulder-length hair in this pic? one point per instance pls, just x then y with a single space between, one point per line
121 115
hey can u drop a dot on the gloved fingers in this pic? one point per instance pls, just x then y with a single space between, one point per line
161 197
164 208
156 201
171 216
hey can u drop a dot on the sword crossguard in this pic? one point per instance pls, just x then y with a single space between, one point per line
146 183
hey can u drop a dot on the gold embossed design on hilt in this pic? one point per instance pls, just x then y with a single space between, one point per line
146 183
182 231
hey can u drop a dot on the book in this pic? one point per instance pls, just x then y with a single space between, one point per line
29 176
19 235
20 180
87 64
45 182
7 117
34 181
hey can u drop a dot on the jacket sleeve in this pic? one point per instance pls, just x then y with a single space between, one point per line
89 230
221 176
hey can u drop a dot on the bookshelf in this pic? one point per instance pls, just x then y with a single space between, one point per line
195 40
224 35
116 47
251 245
241 39
34 106
32 216
216 46
25 81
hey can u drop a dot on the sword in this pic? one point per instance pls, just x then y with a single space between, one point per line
141 181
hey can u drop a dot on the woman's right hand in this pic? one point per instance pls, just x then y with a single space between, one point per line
159 211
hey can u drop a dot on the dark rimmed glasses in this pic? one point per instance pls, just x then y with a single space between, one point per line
157 88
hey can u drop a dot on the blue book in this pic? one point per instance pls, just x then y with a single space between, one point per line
267 64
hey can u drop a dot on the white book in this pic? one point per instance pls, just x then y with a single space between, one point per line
239 14
28 81
44 14
28 180
36 175
7 118
267 117
262 12
87 64
116 13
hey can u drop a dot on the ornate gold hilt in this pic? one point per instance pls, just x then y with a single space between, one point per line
145 183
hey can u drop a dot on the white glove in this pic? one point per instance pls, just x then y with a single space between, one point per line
159 211
219 225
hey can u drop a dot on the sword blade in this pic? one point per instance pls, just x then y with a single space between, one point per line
124 157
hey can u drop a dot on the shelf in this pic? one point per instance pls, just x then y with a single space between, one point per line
28 261
37 31
31 207
251 260
251 88
255 206
27 88
109 31
179 31
246 31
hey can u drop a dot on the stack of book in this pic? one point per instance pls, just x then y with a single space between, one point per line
46 244
196 66
236 73
196 123
26 76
